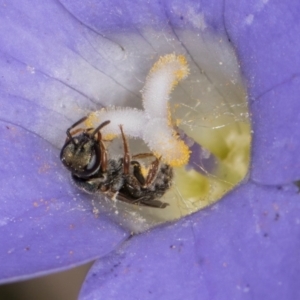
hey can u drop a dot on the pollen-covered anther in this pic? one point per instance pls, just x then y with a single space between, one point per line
163 77
164 142
154 124
133 121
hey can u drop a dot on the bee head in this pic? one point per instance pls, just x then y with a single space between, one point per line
81 155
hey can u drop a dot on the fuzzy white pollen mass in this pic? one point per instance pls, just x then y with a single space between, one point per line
153 124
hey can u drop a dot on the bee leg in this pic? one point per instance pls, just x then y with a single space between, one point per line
103 154
143 155
150 203
154 168
90 186
138 173
153 171
154 203
141 201
127 159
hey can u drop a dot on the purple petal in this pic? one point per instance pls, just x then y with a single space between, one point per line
238 249
45 224
267 39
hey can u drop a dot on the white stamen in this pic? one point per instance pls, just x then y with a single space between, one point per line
162 78
132 119
165 142
154 124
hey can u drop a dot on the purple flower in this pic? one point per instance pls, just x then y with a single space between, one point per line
53 56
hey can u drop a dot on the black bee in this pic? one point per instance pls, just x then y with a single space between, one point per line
85 156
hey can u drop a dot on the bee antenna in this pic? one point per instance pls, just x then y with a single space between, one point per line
70 138
69 135
100 127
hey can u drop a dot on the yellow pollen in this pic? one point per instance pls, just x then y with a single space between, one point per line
181 159
109 136
91 120
144 171
176 153
180 73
